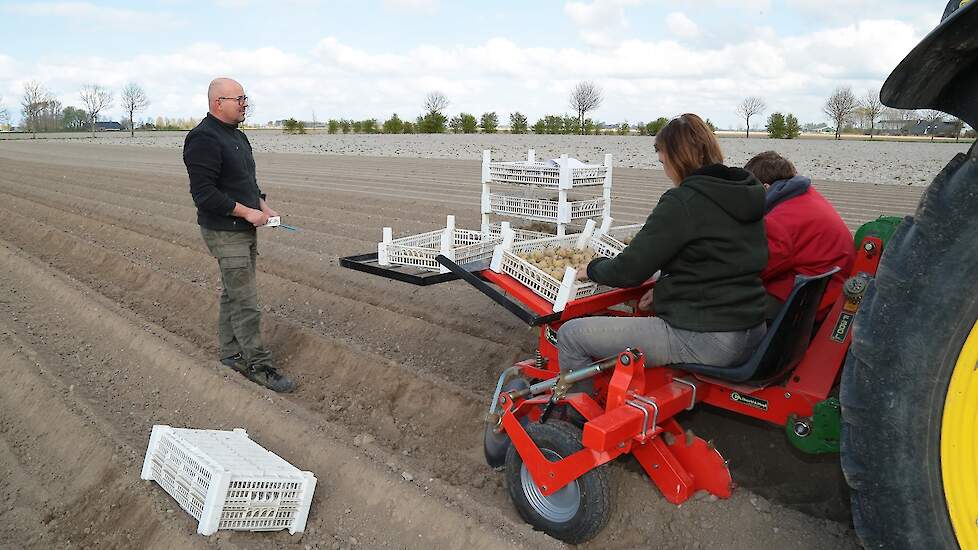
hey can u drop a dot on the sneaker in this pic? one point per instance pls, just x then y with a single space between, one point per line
236 362
271 379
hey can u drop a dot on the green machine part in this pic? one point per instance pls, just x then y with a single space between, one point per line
882 228
818 434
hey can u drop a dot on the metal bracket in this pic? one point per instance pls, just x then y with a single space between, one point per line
645 422
647 401
692 402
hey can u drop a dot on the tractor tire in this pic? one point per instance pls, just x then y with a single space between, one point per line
909 388
496 443
574 514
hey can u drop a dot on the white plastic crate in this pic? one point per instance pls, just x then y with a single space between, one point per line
462 246
562 173
496 231
615 237
558 292
227 481
545 210
544 174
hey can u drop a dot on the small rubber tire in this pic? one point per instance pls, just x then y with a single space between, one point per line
576 513
907 337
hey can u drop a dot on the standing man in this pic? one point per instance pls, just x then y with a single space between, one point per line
229 208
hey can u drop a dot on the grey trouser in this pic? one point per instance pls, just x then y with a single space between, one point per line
581 341
239 319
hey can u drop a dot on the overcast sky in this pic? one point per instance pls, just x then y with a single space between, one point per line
371 58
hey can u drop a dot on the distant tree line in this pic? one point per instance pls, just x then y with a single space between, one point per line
43 112
850 114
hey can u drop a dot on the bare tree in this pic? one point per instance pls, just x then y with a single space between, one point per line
96 98
933 118
32 104
873 108
49 118
840 106
957 122
585 97
4 117
750 107
134 99
435 102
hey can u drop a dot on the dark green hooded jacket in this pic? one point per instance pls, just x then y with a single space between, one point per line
707 237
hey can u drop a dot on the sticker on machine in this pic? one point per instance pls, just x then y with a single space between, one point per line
748 400
842 327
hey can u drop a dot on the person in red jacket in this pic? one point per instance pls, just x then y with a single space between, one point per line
805 234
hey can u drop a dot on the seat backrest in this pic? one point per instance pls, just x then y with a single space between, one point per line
790 334
786 340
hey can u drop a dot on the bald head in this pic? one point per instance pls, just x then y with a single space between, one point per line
223 102
222 87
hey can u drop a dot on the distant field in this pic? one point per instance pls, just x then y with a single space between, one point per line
854 159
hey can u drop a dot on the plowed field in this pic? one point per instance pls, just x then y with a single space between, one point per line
108 305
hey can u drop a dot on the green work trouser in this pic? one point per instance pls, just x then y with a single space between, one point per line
239 319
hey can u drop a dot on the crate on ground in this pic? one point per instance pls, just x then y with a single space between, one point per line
462 246
227 481
506 259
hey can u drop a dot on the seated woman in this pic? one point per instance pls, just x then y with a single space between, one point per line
706 235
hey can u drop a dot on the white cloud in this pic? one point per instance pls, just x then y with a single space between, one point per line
643 79
682 26
105 15
752 5
925 15
867 47
7 69
427 7
601 23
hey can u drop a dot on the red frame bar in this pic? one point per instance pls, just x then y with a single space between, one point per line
582 307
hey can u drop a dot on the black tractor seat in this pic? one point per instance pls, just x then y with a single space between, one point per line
786 340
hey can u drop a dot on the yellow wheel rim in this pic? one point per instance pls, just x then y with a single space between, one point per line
959 444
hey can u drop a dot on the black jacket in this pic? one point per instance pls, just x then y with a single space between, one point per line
707 237
222 172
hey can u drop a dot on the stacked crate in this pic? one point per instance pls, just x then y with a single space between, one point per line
525 190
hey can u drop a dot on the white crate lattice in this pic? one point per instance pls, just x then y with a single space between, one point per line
462 246
558 292
545 210
544 174
613 237
564 175
227 481
496 231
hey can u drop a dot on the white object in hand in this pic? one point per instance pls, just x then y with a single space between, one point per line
274 221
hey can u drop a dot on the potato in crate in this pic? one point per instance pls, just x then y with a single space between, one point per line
227 481
548 266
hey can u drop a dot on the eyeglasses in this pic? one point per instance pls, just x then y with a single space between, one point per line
241 99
